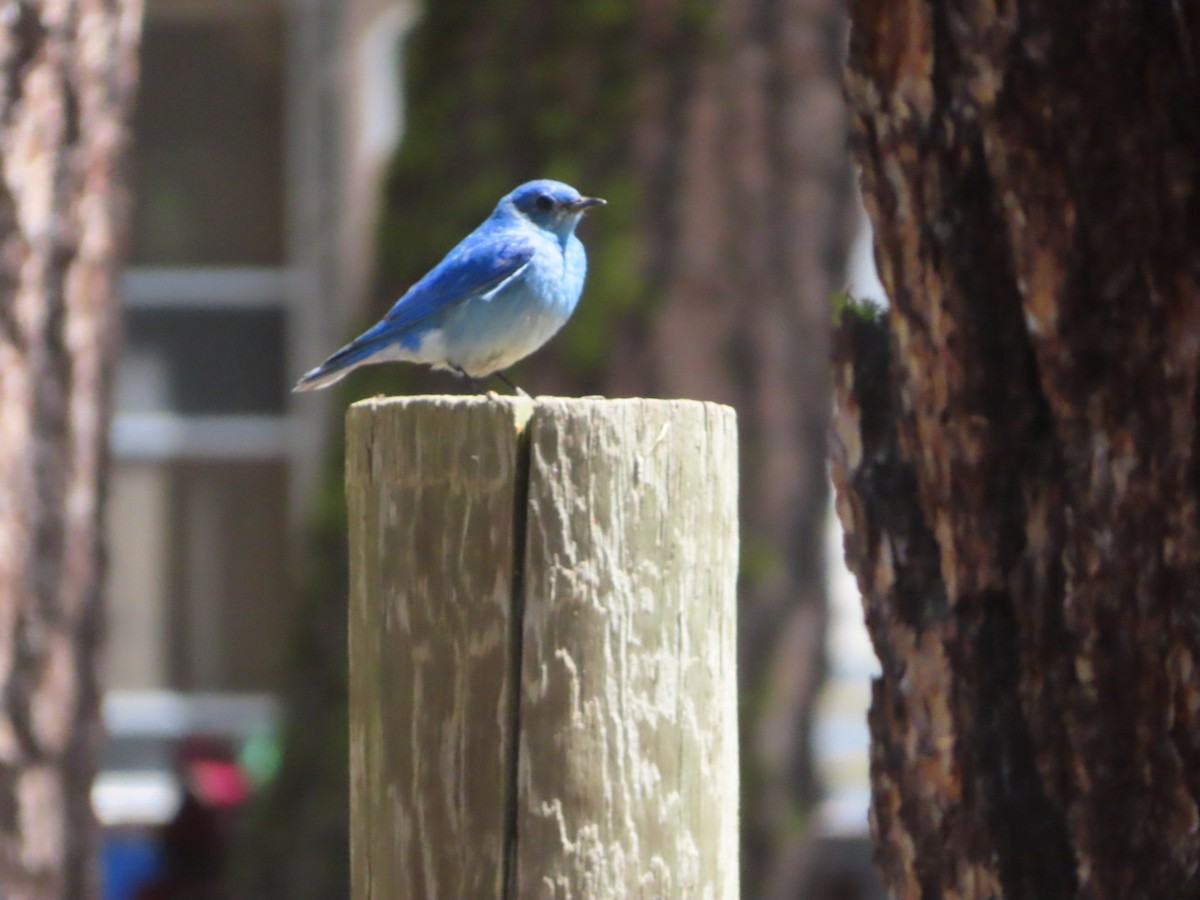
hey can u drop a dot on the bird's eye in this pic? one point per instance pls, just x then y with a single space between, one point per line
545 203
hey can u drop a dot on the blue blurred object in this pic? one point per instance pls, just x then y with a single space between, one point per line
495 298
130 860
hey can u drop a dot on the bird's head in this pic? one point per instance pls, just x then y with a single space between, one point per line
551 205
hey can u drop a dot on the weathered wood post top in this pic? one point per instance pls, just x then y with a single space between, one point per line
542 648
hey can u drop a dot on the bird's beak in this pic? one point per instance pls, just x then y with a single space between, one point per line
585 203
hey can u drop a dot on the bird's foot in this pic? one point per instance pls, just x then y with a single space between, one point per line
520 391
475 385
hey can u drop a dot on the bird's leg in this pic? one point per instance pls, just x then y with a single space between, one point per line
475 385
520 390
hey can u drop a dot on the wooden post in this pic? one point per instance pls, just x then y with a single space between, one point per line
542 643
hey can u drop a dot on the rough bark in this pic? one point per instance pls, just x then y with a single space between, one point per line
67 72
1016 456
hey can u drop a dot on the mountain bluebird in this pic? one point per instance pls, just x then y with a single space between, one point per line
496 297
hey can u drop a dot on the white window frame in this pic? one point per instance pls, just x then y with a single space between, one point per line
170 436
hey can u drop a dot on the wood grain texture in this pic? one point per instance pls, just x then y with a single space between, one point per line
613 772
430 485
628 778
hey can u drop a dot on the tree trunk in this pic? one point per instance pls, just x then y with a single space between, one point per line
1016 451
67 70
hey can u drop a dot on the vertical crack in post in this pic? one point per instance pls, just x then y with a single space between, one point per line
520 512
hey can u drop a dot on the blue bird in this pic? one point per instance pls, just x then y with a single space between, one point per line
495 298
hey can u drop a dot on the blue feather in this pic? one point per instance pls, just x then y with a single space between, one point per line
475 268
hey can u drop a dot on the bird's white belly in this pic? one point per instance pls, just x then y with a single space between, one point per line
487 336
432 349
490 333
505 346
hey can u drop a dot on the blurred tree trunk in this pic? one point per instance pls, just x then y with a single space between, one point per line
1017 460
68 73
295 844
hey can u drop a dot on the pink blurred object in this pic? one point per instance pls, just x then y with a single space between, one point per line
209 767
217 783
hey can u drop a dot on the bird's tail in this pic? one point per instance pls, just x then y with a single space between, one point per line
320 377
339 365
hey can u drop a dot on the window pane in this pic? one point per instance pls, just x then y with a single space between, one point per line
203 361
231 583
208 172
198 582
139 524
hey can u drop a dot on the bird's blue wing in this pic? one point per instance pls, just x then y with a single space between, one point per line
473 269
477 267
